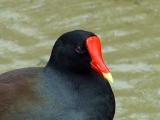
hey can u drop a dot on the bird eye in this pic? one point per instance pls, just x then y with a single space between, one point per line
79 50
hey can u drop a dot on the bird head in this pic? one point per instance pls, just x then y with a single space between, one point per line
79 51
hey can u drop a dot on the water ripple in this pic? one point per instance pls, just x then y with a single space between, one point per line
139 67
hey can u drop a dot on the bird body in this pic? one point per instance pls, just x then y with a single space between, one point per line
55 92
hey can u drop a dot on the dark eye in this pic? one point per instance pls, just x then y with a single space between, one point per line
80 50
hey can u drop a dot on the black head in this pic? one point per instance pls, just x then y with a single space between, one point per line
70 52
79 51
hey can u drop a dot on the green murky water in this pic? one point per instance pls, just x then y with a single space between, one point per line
130 32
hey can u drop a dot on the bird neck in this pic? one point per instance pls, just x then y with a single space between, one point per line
68 67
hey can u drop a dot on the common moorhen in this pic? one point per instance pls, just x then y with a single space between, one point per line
72 86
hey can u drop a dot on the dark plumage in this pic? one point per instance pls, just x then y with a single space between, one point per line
66 89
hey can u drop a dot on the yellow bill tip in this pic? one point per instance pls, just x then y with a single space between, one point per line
108 76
